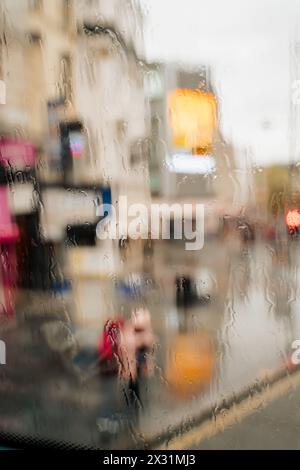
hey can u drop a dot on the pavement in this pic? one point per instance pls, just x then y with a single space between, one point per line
266 420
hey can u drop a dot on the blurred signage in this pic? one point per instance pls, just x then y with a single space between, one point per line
184 162
63 207
17 153
73 205
77 143
192 118
73 144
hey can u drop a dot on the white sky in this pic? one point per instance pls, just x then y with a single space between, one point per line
247 43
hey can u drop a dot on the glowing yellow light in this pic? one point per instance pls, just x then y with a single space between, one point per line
293 218
191 365
192 115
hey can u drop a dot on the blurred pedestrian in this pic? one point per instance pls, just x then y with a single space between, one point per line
126 350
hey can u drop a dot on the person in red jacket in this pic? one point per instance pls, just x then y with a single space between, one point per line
126 351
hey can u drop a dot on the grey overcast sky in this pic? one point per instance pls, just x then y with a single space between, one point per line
247 43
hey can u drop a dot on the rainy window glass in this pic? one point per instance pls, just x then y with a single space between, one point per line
150 223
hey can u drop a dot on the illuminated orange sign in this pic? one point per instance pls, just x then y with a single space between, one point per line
192 115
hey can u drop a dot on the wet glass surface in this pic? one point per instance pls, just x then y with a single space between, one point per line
149 221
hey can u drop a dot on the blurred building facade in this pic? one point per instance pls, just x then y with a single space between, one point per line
190 163
81 105
178 171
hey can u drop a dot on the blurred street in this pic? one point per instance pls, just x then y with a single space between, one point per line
273 428
251 330
266 419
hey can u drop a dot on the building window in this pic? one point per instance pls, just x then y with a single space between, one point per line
66 77
1 60
66 14
35 5
3 42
